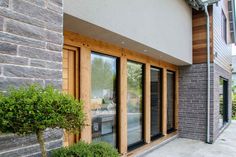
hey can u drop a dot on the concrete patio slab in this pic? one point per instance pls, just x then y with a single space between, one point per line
225 146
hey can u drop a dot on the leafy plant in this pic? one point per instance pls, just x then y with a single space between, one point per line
80 149
32 109
83 149
234 106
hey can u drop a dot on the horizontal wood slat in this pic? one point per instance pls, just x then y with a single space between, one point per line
200 36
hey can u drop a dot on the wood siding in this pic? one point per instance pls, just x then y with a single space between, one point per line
222 49
85 46
200 36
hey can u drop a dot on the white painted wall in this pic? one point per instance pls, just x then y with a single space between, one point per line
164 25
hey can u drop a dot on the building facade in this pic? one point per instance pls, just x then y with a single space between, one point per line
140 69
234 70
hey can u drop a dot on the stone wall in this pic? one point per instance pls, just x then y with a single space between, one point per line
192 101
31 39
30 42
215 128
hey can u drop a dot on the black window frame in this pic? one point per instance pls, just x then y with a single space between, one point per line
173 129
157 136
225 101
136 145
117 94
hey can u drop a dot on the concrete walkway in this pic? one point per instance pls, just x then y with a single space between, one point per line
225 146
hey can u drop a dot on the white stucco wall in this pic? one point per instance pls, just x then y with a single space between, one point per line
164 25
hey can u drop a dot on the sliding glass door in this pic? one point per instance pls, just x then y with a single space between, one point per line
170 101
223 106
104 98
155 103
135 104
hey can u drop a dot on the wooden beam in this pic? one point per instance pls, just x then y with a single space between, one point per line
85 85
79 40
147 104
176 100
123 106
87 45
164 102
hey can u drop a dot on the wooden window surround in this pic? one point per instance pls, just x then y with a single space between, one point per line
87 46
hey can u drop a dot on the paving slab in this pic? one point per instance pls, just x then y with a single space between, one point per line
225 146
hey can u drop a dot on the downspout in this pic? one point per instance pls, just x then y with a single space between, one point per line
208 72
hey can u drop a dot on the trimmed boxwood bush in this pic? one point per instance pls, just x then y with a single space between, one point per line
83 149
33 109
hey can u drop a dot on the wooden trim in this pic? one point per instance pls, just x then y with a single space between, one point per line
147 104
71 85
176 100
85 88
164 102
152 144
109 49
87 45
123 144
200 36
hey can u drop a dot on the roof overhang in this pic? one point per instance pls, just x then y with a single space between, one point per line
199 4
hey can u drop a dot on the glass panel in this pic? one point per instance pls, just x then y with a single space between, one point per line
103 98
135 103
223 100
221 106
155 102
170 100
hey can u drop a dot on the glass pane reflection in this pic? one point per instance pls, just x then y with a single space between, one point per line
155 102
135 102
103 98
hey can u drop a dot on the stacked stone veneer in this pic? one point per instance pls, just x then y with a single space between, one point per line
31 39
217 73
193 101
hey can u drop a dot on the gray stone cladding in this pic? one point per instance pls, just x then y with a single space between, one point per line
193 101
31 41
216 129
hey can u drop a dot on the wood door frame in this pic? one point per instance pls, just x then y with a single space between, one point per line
69 137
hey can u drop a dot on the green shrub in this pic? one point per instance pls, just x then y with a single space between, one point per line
80 149
83 149
33 109
234 107
103 149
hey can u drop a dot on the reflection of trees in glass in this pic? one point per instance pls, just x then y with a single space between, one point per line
134 102
103 75
135 78
103 100
135 86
